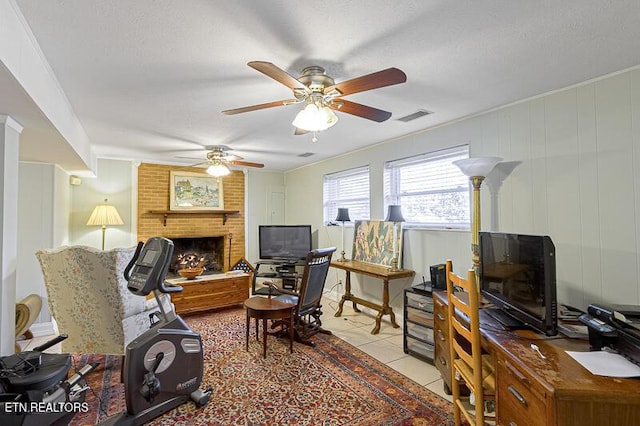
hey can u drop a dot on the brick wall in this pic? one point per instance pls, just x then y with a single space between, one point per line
153 195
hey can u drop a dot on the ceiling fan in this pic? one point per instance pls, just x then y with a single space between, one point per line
219 159
322 95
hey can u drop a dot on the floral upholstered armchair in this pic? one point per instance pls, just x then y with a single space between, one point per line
89 299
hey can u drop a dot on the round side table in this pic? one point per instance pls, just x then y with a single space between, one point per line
263 308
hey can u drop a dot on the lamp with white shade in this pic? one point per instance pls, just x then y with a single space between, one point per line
394 214
104 215
476 169
315 116
343 216
218 169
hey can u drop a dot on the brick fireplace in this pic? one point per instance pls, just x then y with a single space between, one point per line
153 196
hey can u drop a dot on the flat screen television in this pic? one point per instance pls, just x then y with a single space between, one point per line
284 242
518 276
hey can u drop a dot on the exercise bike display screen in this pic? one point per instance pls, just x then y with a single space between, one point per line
149 257
150 266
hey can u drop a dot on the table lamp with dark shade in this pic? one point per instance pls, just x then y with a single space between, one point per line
343 216
394 214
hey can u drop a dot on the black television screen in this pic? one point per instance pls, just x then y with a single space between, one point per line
518 275
284 242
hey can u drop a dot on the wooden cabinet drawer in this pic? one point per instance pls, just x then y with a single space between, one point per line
521 403
204 294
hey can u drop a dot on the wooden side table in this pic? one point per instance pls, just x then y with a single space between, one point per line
263 308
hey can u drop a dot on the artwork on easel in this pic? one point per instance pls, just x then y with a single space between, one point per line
373 242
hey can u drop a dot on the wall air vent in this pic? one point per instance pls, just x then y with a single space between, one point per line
306 154
419 113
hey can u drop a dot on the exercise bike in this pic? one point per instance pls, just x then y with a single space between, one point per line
163 367
35 391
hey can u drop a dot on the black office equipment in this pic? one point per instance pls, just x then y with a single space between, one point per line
611 328
438 276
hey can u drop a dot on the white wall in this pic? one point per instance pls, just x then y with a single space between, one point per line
113 182
259 187
43 222
572 163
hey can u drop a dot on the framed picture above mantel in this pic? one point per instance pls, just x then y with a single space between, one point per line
195 191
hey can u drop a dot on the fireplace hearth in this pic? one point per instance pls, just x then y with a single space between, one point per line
205 252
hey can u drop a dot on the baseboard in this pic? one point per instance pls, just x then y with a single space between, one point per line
42 329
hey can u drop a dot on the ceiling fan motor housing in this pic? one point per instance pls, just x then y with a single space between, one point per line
315 78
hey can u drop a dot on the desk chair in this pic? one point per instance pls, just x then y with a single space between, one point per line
468 363
307 312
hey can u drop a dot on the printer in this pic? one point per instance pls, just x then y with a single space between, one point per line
616 327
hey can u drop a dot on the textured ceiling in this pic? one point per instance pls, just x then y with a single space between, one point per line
148 79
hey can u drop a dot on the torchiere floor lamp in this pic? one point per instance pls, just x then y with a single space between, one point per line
476 169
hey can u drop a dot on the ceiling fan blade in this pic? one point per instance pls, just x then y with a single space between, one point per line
360 110
300 131
245 163
278 74
259 106
383 78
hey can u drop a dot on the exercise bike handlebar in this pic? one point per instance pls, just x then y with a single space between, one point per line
46 345
165 287
132 262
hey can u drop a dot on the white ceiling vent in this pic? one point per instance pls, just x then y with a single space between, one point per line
419 113
306 154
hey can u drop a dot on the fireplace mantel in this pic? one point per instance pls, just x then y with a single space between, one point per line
224 213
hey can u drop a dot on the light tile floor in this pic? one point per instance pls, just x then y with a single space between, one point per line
386 346
354 328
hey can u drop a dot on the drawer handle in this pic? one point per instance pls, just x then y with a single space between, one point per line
517 395
437 302
442 361
512 424
441 336
516 372
440 316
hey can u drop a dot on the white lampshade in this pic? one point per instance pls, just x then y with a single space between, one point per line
314 118
218 170
104 214
478 166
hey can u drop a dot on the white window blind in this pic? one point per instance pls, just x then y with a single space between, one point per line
350 189
432 191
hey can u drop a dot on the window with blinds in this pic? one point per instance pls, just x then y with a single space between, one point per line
433 192
350 189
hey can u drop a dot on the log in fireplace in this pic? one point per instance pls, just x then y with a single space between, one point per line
207 252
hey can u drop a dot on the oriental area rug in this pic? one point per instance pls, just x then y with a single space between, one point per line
331 384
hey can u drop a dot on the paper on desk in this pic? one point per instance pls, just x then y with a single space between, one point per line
605 363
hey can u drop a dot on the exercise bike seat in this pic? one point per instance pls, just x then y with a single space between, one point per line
35 371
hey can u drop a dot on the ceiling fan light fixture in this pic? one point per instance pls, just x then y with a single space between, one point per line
314 118
218 170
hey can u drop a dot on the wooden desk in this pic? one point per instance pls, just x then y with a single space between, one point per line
535 391
376 271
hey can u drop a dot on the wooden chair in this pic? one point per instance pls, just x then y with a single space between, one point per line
307 300
468 363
